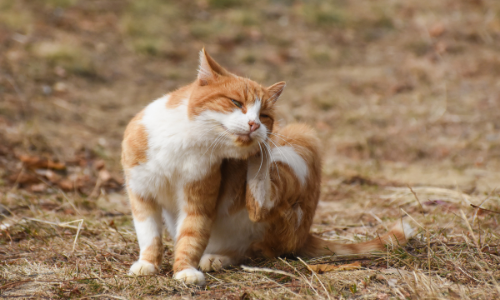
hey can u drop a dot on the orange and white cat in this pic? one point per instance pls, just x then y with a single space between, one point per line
207 162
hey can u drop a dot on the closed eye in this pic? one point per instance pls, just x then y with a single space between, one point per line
237 103
264 116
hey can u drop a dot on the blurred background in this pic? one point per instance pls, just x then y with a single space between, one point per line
402 93
413 83
405 91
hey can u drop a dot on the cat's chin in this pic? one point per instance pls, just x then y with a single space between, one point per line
244 151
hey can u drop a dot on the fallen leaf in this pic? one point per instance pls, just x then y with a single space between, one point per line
69 211
436 30
99 164
35 162
41 187
66 185
23 178
322 268
49 174
483 210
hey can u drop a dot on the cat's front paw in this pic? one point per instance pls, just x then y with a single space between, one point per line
190 276
142 267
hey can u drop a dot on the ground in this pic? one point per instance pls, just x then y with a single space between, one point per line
405 96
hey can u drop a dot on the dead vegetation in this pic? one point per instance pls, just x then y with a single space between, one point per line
404 95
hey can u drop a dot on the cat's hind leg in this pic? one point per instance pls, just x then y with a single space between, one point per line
216 262
148 226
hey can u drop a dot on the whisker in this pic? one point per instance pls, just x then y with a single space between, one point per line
219 140
281 152
261 160
282 138
213 143
270 157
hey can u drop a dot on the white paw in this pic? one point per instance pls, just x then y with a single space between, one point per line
214 262
190 276
142 267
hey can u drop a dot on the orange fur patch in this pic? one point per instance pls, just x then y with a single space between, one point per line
153 253
217 96
317 247
200 209
233 174
141 208
176 97
135 143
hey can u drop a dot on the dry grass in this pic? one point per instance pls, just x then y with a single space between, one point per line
404 95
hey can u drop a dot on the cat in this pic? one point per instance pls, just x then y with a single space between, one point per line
208 162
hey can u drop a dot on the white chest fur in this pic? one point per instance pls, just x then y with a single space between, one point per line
178 152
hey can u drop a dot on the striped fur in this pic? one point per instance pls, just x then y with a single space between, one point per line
209 164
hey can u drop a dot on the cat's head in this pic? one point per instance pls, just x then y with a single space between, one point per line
238 110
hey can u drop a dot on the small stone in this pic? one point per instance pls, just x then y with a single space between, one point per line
46 90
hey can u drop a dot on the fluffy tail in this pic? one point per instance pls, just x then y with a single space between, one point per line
399 234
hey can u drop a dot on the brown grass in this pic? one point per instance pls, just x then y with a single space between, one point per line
404 95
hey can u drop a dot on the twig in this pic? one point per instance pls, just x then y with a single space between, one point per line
77 234
416 197
105 295
488 210
214 277
301 275
113 226
55 224
413 219
472 233
267 270
315 275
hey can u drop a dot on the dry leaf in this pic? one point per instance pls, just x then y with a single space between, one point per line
436 30
482 211
23 178
38 188
99 164
322 268
66 185
35 162
50 175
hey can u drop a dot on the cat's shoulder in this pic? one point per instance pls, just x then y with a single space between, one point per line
135 142
161 115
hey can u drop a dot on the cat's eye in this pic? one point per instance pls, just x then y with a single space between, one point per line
264 116
237 103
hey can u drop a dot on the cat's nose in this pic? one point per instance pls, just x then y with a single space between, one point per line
253 126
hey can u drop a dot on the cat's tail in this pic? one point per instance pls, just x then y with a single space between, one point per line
399 235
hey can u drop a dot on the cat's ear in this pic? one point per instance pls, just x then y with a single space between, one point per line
275 91
209 69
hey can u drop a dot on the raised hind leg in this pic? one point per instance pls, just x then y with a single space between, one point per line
295 176
216 262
